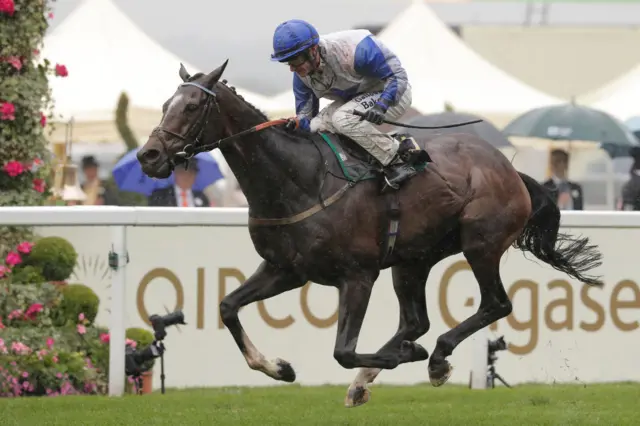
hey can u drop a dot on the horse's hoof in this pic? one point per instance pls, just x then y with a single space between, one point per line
415 351
440 373
357 396
285 371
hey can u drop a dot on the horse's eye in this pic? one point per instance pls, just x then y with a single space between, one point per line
192 107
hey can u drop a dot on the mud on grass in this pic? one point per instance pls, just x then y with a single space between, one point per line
611 404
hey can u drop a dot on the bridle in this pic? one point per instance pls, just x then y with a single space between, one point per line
195 146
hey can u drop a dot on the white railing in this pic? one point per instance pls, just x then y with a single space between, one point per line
119 218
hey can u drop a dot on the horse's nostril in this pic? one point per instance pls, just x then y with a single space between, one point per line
150 155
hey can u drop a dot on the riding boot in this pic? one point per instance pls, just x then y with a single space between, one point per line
394 175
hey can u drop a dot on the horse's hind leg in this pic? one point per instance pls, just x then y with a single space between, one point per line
484 240
266 282
409 282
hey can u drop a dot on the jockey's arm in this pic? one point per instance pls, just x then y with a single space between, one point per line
307 103
373 59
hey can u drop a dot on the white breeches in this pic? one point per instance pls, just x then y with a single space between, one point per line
337 118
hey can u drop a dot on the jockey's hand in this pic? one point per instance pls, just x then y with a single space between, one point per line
375 115
292 124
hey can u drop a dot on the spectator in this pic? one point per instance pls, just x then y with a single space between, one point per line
93 186
181 194
568 194
631 189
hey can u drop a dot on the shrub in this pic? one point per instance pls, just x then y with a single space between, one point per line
28 305
25 105
55 256
77 299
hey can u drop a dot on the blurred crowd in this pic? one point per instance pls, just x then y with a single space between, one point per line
225 191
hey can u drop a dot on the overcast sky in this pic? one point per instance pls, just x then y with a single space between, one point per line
206 32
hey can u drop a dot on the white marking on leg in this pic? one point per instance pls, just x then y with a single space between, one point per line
365 376
257 361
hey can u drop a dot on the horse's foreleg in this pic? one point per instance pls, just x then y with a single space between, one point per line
266 282
354 299
409 282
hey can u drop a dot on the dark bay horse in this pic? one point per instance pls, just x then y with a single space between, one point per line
307 225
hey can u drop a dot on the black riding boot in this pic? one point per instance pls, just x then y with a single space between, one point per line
395 175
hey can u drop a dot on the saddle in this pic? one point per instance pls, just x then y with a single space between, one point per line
357 164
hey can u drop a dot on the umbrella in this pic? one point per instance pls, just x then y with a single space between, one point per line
484 129
128 174
572 122
634 125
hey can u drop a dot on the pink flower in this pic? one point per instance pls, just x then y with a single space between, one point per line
81 329
59 375
20 348
13 60
4 271
38 185
50 15
104 337
13 259
1 345
13 168
81 317
1 327
7 6
50 342
33 311
7 110
54 359
25 374
25 247
43 119
15 314
61 70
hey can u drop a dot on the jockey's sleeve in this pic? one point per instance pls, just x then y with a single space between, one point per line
374 59
307 103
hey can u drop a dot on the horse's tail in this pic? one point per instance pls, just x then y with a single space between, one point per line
571 255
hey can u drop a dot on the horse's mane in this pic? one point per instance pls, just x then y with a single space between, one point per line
233 89
299 135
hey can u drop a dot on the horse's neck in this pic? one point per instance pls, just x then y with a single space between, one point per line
277 175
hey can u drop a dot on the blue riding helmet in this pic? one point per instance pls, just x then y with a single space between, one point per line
292 37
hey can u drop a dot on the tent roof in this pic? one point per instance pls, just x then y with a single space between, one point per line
105 54
442 68
619 98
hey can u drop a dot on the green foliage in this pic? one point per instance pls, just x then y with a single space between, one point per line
55 256
122 123
27 274
25 98
141 336
28 305
77 299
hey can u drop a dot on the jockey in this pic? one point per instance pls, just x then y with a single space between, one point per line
357 72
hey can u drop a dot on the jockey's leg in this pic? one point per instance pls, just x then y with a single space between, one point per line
323 121
382 146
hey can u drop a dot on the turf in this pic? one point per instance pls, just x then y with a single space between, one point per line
611 404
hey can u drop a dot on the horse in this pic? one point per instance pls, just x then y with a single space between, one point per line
317 213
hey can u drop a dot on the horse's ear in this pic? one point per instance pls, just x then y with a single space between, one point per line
184 75
215 75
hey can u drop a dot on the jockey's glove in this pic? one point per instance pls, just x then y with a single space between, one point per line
375 115
292 124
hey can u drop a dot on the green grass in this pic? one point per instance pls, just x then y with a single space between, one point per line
612 404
